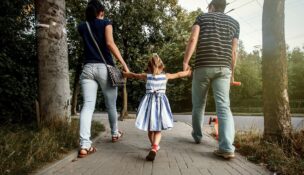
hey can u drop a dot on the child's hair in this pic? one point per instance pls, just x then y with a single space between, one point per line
155 65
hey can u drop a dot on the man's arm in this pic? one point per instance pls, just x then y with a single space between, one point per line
191 46
234 57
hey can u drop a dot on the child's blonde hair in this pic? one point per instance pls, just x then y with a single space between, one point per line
155 65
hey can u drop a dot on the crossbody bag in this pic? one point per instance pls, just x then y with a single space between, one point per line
114 73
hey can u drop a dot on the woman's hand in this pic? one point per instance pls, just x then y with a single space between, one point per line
125 74
126 69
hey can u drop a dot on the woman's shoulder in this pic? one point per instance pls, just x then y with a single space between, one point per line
104 21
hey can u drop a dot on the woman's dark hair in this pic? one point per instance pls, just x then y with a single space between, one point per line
93 9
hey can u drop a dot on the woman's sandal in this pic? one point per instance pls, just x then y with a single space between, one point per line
152 154
87 151
117 137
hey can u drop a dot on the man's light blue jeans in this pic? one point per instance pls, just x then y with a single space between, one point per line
92 75
219 79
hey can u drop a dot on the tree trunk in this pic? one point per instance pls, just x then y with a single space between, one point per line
124 93
76 88
54 90
277 122
124 111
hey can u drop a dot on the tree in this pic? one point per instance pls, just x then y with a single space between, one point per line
18 65
75 13
54 90
277 122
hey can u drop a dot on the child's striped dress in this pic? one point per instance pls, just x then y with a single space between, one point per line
154 112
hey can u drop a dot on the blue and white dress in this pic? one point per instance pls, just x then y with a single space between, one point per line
154 112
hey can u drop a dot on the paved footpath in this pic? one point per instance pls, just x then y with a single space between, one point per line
178 155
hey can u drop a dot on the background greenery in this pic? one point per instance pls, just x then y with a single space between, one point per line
140 28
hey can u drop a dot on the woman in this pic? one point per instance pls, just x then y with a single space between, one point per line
95 72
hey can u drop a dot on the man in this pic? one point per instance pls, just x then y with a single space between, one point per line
215 38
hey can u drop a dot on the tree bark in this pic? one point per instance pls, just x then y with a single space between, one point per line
124 111
54 89
277 122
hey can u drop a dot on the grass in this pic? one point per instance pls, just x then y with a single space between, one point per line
287 160
26 148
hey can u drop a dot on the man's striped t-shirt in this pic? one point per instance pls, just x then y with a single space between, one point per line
214 47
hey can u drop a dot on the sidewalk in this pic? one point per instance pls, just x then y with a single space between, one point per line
178 155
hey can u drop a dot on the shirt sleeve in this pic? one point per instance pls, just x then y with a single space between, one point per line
108 22
237 32
198 20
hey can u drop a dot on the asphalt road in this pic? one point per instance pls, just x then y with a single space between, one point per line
245 123
242 123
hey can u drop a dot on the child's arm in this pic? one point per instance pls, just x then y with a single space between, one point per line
142 76
180 74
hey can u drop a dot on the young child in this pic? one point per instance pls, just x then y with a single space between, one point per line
154 112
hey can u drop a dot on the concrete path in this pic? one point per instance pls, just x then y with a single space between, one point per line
178 155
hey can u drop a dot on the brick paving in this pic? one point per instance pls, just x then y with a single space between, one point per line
178 155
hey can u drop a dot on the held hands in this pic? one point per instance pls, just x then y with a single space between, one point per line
188 71
126 74
186 66
126 69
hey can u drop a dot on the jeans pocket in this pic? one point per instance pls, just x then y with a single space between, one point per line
226 72
87 72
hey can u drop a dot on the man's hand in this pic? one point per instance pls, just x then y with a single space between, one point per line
186 66
189 71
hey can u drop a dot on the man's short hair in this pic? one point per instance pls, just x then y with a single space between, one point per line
219 5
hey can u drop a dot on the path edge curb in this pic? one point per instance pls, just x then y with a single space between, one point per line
47 169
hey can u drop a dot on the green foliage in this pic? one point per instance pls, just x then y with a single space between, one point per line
248 97
295 79
18 64
296 72
142 27
75 14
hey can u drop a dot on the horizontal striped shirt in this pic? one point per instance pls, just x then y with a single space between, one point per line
214 47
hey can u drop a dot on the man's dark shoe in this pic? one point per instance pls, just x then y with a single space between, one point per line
197 141
226 155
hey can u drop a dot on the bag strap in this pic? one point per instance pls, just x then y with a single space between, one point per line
93 38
